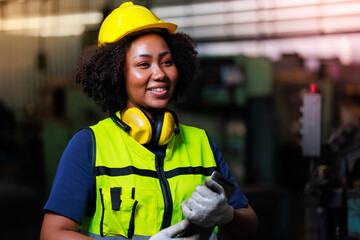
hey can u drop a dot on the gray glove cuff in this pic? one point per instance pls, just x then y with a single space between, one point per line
227 216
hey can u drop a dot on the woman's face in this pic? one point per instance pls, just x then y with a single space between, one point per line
150 73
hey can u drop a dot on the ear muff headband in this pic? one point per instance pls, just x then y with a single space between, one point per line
120 123
176 120
157 127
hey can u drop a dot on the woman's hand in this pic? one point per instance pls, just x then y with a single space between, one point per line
172 231
207 206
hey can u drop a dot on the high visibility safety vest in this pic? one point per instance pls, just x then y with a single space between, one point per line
139 193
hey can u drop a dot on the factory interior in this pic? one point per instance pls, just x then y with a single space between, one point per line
278 90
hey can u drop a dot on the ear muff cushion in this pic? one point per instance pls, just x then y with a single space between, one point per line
141 129
167 128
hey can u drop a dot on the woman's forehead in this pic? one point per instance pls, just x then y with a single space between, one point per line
149 44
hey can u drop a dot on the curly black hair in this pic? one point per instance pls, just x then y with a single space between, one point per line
100 70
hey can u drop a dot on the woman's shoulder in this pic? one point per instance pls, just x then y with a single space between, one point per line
79 147
82 136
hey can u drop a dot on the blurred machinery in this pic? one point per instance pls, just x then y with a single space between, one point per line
233 101
332 194
311 124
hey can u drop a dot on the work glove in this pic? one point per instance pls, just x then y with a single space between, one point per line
172 231
207 206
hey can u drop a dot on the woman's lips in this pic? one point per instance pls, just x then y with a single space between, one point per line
159 91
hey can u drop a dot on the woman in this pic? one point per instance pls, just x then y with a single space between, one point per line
139 173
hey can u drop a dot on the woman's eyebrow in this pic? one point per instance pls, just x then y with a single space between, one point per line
164 53
144 55
150 56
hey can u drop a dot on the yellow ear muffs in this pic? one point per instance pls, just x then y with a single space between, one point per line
139 126
141 129
164 128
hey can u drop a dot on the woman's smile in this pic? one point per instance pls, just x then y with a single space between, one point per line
159 91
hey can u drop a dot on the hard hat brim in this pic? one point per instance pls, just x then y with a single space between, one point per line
170 27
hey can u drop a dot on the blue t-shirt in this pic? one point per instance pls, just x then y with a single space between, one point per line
73 183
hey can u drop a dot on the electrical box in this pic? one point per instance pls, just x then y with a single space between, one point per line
311 126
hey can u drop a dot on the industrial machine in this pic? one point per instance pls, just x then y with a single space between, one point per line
332 194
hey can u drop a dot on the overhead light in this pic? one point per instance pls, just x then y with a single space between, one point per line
204 8
61 31
342 9
250 18
339 24
56 25
292 3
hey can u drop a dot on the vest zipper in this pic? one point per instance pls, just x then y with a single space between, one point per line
102 214
165 188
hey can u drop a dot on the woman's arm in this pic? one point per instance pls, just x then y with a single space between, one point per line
58 227
243 225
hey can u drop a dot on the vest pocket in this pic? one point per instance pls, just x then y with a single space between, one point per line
128 211
118 214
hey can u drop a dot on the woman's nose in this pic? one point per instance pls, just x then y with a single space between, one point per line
158 73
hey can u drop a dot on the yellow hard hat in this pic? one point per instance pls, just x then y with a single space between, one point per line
129 18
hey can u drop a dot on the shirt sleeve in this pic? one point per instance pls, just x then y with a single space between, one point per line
238 199
73 182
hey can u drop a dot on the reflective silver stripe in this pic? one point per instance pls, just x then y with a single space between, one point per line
95 236
213 236
135 237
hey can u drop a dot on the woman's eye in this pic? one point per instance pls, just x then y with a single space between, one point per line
143 64
168 62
